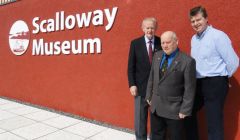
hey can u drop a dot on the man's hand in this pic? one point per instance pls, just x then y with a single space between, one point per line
181 116
133 90
149 102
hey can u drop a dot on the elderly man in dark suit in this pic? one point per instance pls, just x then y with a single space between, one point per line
139 65
170 89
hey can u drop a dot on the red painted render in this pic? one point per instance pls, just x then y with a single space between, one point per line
95 85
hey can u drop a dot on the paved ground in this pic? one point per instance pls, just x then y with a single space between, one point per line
22 122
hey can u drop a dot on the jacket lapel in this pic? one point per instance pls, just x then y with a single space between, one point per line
157 46
157 64
144 50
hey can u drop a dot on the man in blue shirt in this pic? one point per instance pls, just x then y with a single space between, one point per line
216 61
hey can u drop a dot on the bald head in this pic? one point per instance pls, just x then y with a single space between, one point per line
169 34
169 42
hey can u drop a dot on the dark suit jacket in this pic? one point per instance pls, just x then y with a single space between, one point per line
174 92
138 64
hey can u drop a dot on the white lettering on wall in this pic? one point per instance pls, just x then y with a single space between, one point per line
66 47
110 17
83 20
61 22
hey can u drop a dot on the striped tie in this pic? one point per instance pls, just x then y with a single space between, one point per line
150 51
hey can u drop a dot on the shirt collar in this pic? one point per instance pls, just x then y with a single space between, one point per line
147 40
201 35
172 54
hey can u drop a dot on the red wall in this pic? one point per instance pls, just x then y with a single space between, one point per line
95 85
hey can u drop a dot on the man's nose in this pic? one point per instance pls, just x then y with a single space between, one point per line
195 23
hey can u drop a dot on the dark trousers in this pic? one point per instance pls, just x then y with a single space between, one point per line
140 118
160 125
211 92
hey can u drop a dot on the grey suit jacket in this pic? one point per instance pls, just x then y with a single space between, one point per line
174 92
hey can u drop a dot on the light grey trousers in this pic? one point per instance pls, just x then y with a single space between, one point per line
140 118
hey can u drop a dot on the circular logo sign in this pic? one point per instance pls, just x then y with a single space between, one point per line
19 37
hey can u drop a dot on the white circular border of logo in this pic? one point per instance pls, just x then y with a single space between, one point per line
19 36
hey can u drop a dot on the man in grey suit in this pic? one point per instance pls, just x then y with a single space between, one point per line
170 89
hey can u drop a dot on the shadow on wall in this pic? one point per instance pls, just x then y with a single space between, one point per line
231 114
231 111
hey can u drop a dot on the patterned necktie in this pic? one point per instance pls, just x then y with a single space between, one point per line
164 67
150 51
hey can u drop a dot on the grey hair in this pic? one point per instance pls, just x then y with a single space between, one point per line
150 19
